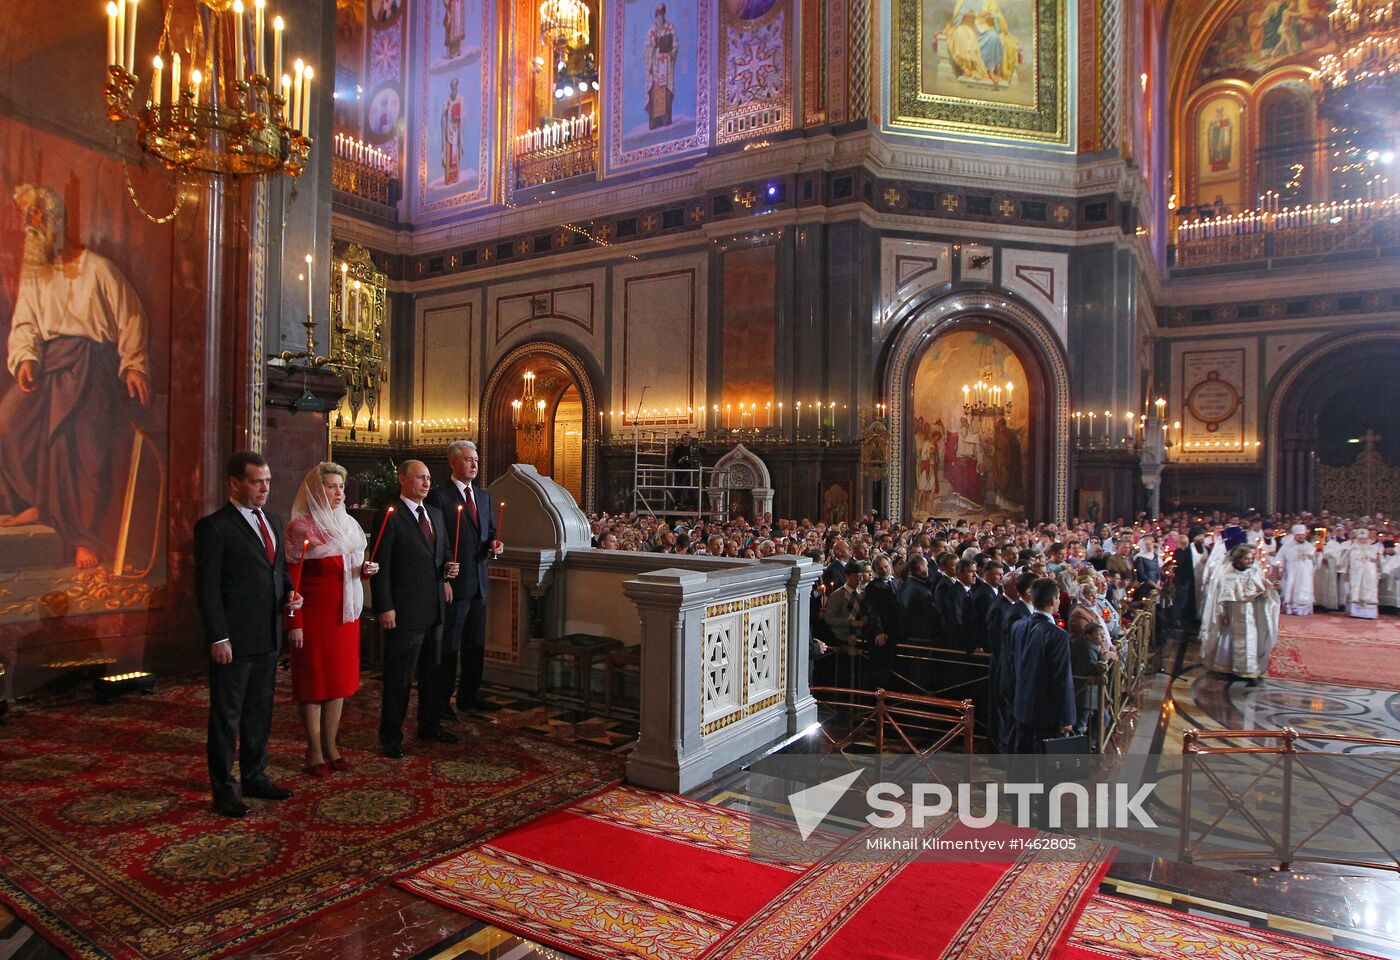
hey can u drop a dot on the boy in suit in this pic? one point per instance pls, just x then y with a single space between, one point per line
244 590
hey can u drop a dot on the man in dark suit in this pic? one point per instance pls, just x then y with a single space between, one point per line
410 599
244 591
881 629
918 617
473 543
1187 560
983 593
1003 615
1043 706
953 600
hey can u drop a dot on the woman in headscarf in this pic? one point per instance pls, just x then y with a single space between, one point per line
329 549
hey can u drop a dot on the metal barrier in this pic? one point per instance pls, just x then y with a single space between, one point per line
885 722
1282 748
1117 680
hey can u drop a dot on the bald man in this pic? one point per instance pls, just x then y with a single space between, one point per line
411 594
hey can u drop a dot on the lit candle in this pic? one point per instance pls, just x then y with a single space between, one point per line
380 536
1107 419
344 291
308 287
121 34
306 103
296 572
196 78
286 95
111 32
457 535
358 306
238 66
278 25
157 65
175 89
259 38
130 62
299 78
501 522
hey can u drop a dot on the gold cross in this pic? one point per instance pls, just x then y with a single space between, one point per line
891 197
950 203
1061 214
1007 208
746 198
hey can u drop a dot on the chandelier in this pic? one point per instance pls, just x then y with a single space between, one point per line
219 106
1358 80
564 24
527 413
986 400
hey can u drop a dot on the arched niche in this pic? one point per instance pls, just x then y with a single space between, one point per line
562 382
1327 395
1032 341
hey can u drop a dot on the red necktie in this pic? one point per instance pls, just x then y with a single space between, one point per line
471 506
425 525
266 537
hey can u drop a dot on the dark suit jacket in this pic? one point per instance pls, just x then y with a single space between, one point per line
474 553
881 609
240 594
409 580
975 619
951 598
1044 699
1004 616
918 617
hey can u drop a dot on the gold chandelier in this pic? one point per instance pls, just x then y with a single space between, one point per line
564 23
527 413
1359 77
216 108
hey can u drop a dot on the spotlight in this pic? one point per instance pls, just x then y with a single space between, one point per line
583 86
558 93
568 91
1388 157
772 191
110 688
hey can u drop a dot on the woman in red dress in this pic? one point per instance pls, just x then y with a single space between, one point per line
329 547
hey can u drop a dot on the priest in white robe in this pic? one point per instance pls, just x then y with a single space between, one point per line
1390 575
1240 623
1298 561
1363 571
1327 591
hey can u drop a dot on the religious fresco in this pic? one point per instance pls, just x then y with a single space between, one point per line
1260 36
350 16
993 68
965 465
658 83
458 94
1220 145
382 95
755 78
85 289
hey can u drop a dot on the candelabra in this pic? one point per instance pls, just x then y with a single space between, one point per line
527 413
984 400
227 116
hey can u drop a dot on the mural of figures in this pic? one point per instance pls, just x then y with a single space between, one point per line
84 284
459 106
1265 33
1219 138
978 49
968 463
658 80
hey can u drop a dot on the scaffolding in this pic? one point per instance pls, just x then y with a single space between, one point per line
661 490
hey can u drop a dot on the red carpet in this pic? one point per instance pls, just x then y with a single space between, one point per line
633 874
108 846
1335 648
1125 930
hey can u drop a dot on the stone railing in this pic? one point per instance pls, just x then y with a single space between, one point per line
724 667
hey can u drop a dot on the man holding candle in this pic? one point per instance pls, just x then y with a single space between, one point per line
473 543
411 594
244 589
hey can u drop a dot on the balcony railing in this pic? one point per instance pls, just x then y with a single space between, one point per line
361 170
541 165
1312 230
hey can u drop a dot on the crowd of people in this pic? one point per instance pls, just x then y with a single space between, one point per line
965 586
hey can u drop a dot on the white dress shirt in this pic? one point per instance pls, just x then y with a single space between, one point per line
253 522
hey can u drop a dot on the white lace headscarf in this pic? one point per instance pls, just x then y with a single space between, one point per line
328 532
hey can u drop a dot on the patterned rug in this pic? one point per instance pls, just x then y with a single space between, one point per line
1127 930
108 845
629 874
1335 648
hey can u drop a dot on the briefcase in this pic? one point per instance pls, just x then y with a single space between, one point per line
1065 758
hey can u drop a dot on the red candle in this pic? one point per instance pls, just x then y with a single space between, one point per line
457 538
501 520
382 524
296 574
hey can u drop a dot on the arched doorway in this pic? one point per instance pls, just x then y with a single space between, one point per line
540 409
995 453
1324 404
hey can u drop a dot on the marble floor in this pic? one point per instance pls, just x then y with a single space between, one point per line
1351 908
